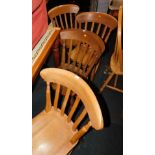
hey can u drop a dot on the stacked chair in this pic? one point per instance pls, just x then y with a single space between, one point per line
101 24
116 62
58 128
62 16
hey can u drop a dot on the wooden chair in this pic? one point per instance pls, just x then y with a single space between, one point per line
54 132
82 56
100 23
62 16
116 62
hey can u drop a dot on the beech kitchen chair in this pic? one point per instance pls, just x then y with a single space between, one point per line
62 16
100 23
82 56
116 62
54 132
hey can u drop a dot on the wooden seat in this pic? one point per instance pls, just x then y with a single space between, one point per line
45 127
116 62
82 56
56 130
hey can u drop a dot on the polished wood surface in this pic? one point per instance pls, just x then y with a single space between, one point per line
51 134
53 131
36 66
116 62
82 51
100 23
64 15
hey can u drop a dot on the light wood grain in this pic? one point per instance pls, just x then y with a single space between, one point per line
116 61
83 50
100 23
52 131
48 98
66 10
101 19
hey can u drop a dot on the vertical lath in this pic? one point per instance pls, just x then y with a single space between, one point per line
57 92
106 39
71 21
86 24
98 29
79 119
105 29
88 56
76 55
73 108
56 21
66 21
82 53
91 65
75 22
65 101
87 59
61 22
92 27
63 52
70 51
48 98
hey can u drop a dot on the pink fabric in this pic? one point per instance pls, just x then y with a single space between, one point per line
39 20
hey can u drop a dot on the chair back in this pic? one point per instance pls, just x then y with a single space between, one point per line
100 23
63 16
80 57
83 95
117 57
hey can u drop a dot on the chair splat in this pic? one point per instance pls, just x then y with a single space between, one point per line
65 101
